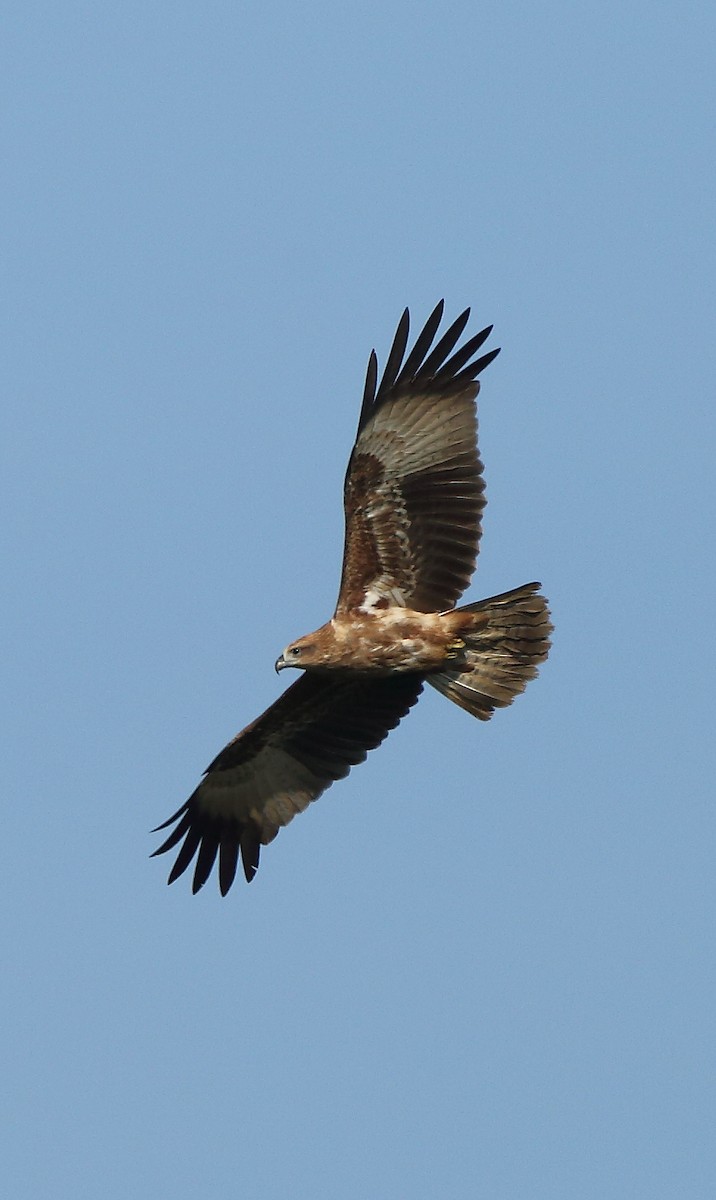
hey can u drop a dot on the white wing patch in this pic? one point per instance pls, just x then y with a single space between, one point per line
380 591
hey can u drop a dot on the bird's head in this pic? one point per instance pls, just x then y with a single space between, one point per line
302 653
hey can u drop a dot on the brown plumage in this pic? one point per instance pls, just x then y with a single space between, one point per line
413 498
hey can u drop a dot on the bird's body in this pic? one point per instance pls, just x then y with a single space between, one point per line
413 499
384 641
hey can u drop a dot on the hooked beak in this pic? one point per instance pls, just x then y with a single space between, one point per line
280 664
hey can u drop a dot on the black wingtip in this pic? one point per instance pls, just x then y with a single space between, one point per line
371 382
426 364
423 342
170 820
228 861
444 347
395 355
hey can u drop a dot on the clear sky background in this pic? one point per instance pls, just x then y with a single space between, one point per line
482 966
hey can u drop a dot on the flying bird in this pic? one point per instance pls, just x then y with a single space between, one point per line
413 497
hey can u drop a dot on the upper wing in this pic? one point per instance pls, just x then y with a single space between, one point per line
414 490
314 733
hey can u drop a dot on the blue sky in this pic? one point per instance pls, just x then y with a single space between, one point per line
482 965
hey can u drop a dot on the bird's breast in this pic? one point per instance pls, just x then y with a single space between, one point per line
392 640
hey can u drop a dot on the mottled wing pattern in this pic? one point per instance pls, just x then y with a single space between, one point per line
414 490
314 733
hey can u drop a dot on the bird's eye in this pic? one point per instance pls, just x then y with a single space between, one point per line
295 651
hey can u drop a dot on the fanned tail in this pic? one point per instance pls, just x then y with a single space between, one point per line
500 657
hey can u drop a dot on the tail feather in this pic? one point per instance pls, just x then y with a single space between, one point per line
500 656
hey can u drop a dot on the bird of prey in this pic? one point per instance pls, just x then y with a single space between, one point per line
413 497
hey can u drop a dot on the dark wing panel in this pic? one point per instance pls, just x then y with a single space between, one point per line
314 733
414 490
